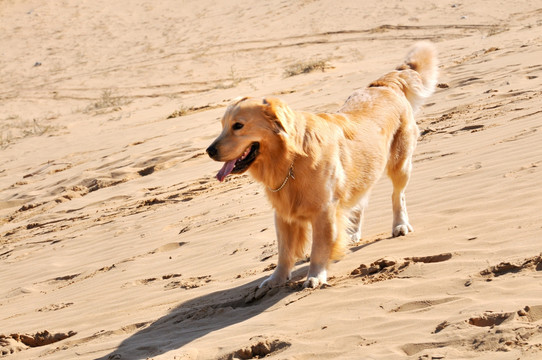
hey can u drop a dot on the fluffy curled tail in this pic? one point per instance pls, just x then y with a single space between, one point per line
420 71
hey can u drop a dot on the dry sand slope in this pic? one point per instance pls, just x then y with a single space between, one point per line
116 241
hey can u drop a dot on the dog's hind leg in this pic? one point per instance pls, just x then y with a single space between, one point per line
291 238
401 225
355 219
399 169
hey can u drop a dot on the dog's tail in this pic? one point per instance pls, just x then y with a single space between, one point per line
422 58
416 76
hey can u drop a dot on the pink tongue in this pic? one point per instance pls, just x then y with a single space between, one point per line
226 170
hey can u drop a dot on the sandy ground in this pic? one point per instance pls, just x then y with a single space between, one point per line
117 242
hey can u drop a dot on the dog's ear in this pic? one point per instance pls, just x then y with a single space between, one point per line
281 116
237 100
285 123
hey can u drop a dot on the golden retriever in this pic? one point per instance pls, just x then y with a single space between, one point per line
318 169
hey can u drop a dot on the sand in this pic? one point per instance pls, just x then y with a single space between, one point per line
117 242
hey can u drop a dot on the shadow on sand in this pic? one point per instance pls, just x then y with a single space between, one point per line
197 317
200 316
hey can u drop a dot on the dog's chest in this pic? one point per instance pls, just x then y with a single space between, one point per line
295 206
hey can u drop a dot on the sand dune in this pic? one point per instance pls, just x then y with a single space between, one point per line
117 242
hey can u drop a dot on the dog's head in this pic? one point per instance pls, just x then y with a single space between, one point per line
254 129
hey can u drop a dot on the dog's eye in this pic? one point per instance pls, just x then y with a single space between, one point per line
237 126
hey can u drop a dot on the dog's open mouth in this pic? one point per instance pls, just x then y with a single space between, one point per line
239 165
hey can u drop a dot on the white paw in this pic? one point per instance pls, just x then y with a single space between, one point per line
311 283
276 279
261 291
315 279
269 286
355 237
402 230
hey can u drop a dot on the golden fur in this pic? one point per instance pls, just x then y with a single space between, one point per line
336 159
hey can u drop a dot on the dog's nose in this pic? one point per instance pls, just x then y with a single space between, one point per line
212 151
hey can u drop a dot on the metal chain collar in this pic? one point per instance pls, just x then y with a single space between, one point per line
290 175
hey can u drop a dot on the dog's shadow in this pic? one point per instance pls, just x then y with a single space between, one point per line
200 316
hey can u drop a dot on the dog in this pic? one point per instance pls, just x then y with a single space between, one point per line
318 169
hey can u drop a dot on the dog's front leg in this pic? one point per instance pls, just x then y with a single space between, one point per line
324 236
291 238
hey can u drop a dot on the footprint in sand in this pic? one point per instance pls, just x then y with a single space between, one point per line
526 169
499 331
190 283
467 169
19 291
423 305
521 135
54 307
533 264
169 247
151 280
9 345
386 269
95 184
432 155
259 348
490 319
12 343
